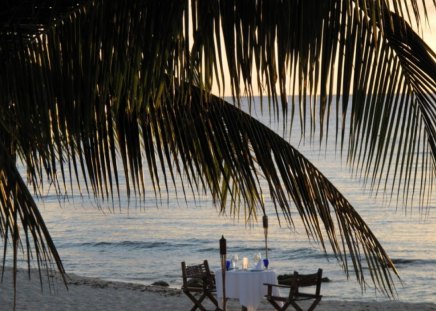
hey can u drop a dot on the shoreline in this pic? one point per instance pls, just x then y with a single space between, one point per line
86 293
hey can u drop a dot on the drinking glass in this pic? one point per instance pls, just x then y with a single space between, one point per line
266 262
228 264
235 259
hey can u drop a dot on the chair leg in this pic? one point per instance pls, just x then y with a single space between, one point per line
277 306
297 307
197 302
314 304
212 298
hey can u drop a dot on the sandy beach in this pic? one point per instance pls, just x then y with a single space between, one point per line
94 294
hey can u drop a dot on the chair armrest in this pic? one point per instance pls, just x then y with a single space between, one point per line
277 285
309 295
270 288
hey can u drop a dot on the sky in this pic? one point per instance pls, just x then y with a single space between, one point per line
429 27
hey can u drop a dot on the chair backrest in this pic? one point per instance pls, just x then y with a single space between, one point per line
304 280
200 272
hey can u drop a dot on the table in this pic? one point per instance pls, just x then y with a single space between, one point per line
245 285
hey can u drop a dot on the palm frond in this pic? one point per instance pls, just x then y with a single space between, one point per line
22 224
249 152
365 53
392 128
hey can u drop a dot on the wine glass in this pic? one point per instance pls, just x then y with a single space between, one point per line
227 264
257 257
235 259
266 262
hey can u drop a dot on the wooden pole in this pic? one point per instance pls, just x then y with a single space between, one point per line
223 255
265 231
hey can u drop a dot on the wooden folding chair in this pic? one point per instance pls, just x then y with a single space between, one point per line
197 279
294 283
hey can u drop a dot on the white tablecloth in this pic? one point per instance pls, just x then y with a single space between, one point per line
247 286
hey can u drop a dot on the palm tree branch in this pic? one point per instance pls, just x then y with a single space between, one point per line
365 51
291 177
400 64
21 221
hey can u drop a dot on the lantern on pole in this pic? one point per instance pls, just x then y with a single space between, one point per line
265 231
223 255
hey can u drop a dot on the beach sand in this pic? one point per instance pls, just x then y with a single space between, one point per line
94 294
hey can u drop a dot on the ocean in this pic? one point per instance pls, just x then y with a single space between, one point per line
143 241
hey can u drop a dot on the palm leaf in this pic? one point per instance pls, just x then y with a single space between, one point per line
363 51
22 224
232 155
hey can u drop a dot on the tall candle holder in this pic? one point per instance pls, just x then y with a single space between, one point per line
223 255
265 231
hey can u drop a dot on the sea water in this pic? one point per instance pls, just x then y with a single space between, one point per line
144 241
